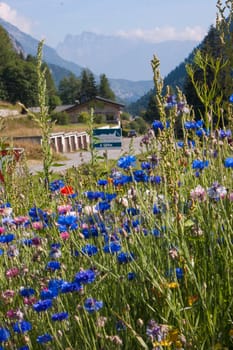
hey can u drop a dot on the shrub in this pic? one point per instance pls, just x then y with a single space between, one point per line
100 118
61 118
83 117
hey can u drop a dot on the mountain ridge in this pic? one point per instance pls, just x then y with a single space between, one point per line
125 90
110 51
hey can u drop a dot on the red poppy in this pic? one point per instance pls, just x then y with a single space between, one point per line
67 190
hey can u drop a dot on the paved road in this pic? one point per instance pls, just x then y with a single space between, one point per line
77 158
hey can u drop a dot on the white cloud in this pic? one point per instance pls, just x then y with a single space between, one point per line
160 34
10 15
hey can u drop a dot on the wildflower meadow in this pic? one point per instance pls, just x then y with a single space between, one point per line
130 254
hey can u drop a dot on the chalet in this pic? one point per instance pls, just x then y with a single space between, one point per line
100 105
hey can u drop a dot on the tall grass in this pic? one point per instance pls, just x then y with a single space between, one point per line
132 254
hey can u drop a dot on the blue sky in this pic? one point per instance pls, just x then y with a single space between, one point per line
151 20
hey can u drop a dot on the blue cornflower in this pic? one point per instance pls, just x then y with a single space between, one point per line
112 247
231 99
228 163
48 294
7 238
55 246
120 326
200 164
156 209
53 265
157 124
202 132
26 241
56 185
92 305
131 276
225 133
4 334
126 162
102 206
91 195
89 249
140 176
146 165
190 125
179 273
66 220
85 277
43 305
180 144
68 287
55 284
135 223
45 338
102 182
155 179
27 292
5 205
22 327
24 347
199 123
60 316
94 231
156 232
124 179
124 258
109 196
37 214
133 211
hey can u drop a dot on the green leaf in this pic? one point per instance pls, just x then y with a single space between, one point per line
58 164
188 223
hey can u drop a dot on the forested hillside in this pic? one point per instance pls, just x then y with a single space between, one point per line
18 77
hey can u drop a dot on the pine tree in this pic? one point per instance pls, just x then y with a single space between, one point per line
104 89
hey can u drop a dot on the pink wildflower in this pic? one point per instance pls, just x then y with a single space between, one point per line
198 193
230 196
64 209
38 225
65 235
8 294
13 272
29 301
